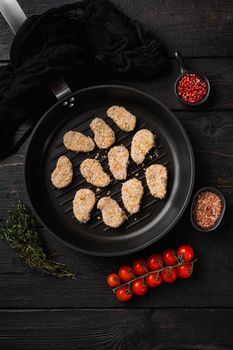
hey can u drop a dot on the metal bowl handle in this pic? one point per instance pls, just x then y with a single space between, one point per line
180 62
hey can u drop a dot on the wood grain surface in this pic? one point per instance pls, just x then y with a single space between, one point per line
196 28
40 312
210 286
117 329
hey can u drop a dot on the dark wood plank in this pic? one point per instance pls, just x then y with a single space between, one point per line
194 28
210 286
211 136
40 312
117 329
218 70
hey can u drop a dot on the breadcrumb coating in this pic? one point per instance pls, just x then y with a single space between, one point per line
62 175
142 143
131 193
118 159
83 204
104 135
113 215
156 178
78 142
92 171
125 120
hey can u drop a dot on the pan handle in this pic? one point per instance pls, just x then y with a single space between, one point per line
15 16
61 89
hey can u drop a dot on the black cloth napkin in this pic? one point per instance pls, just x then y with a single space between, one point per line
87 41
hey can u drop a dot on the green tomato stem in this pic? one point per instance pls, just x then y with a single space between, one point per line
152 271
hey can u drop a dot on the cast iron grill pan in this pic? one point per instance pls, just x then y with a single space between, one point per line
54 207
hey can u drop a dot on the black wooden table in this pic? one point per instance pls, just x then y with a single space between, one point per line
40 312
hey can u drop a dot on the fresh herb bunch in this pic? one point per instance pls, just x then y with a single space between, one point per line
20 232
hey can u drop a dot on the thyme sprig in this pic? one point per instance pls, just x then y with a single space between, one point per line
20 232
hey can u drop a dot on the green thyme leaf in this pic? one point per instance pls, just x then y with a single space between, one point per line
20 232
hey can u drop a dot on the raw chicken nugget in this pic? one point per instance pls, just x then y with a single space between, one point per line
92 171
125 120
112 213
78 142
62 175
118 159
156 178
83 204
142 143
131 194
104 135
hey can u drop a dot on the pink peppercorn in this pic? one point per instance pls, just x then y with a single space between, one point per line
192 88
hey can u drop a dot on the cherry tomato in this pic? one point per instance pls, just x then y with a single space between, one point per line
126 273
169 275
155 262
186 253
139 287
113 280
169 257
124 293
185 271
140 267
153 279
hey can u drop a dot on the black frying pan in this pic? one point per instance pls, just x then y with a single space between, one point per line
75 111
54 207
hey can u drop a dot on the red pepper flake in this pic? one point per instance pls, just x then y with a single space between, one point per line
207 209
191 88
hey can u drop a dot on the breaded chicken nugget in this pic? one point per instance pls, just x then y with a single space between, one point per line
104 135
118 159
131 194
83 204
125 120
156 178
78 142
92 171
112 213
142 143
62 175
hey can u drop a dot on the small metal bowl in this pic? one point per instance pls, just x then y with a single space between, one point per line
223 202
185 71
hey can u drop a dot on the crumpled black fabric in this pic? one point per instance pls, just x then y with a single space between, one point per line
86 42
